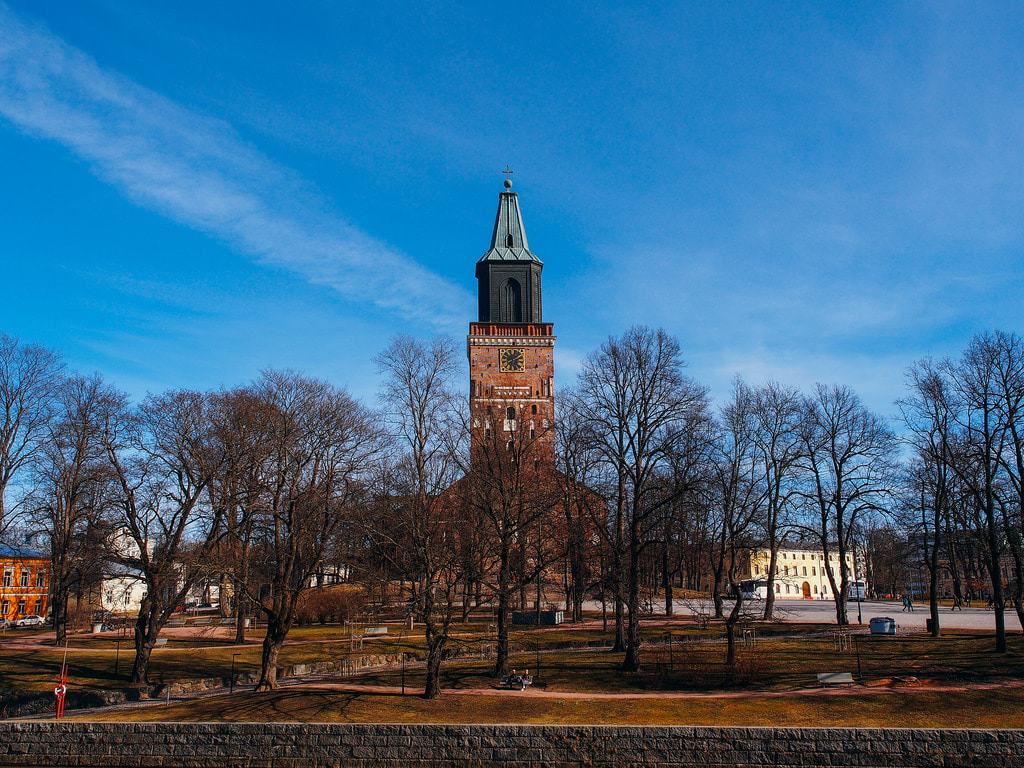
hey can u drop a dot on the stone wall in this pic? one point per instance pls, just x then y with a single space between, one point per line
190 745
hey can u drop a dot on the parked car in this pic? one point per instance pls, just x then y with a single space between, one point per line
6 624
30 621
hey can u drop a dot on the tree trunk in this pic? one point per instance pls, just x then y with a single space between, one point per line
501 652
631 663
145 638
272 643
666 581
769 601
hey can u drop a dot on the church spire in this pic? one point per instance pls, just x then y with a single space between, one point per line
508 274
508 239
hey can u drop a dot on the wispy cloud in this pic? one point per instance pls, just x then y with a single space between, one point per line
198 171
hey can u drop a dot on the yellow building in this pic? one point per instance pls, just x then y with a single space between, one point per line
800 574
24 582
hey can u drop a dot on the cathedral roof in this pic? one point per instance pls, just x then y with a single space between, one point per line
508 241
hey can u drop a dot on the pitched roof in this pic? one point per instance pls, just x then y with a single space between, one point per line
508 240
21 552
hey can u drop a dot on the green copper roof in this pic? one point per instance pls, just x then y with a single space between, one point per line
508 241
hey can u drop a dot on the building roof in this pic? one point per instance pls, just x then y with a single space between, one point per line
508 240
22 552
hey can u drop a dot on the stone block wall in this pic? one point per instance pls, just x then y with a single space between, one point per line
215 745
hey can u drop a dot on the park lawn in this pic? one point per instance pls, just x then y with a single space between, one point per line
771 664
1001 708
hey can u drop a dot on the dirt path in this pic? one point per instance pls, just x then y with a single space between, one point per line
535 693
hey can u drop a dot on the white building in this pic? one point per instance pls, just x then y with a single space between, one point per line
800 573
122 594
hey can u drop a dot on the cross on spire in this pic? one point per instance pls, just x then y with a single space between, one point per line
507 172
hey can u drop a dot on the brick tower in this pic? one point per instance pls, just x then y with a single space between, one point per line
511 351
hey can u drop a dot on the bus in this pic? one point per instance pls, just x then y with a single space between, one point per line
855 591
754 589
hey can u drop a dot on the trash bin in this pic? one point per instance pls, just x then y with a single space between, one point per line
882 625
928 623
97 626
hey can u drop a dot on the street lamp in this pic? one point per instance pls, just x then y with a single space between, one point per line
856 582
232 684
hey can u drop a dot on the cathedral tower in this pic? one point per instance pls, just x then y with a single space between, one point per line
511 350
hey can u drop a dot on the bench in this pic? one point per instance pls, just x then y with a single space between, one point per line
517 680
160 641
834 678
375 631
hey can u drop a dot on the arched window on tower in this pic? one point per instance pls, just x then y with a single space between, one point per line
508 240
510 413
513 302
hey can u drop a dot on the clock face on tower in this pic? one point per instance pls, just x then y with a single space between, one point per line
511 360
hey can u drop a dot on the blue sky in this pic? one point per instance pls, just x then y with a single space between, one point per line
193 191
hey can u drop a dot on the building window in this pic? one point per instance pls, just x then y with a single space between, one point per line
41 579
805 570
778 588
815 589
814 572
533 409
21 607
513 302
510 413
24 577
5 608
8 577
508 446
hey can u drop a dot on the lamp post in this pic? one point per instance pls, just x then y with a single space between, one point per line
856 583
232 684
117 656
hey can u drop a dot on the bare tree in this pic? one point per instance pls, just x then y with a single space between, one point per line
71 488
982 421
777 415
1009 380
586 518
638 399
928 415
242 426
421 412
29 379
849 461
162 457
741 493
512 487
322 446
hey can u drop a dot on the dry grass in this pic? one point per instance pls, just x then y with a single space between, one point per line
919 709
696 662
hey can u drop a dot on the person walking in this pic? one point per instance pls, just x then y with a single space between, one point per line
910 603
904 608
